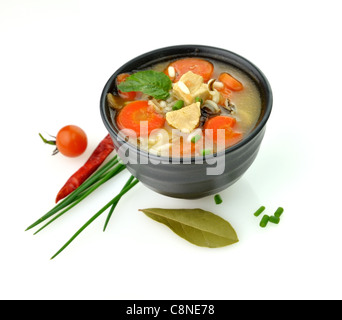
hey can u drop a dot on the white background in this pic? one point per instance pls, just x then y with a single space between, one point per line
55 58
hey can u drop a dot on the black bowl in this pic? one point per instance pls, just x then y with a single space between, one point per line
189 179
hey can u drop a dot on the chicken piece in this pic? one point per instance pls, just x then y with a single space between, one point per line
192 81
190 86
185 119
202 92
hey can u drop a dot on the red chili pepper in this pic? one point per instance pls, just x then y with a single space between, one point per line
99 155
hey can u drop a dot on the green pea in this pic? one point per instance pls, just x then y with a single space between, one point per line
178 105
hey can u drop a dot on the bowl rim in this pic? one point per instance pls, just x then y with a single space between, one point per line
162 159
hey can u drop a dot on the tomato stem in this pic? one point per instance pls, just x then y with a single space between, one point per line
55 151
52 142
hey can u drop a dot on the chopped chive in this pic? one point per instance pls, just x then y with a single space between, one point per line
264 221
178 105
259 211
206 152
196 138
218 199
274 219
198 99
279 212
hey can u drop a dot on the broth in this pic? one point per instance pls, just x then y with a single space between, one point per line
177 136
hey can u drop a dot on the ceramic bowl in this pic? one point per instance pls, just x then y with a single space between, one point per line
190 179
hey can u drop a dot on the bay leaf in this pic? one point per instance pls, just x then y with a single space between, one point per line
200 227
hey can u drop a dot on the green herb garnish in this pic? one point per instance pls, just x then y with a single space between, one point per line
178 105
102 175
196 138
129 181
218 199
108 171
266 218
279 212
114 201
259 211
264 221
206 152
274 219
198 99
154 83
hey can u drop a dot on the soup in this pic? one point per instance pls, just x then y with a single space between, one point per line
188 107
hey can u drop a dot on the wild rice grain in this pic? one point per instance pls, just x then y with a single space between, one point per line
172 72
183 87
218 85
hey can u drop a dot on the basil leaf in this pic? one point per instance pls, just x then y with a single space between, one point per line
197 226
154 83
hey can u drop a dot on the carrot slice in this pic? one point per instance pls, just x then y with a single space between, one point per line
133 113
198 66
225 94
128 96
222 122
233 138
230 82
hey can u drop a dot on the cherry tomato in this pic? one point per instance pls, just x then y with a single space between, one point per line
71 141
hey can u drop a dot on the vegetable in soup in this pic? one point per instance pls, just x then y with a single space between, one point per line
185 108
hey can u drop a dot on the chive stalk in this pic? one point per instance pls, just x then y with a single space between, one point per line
95 216
129 181
102 175
83 195
84 186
